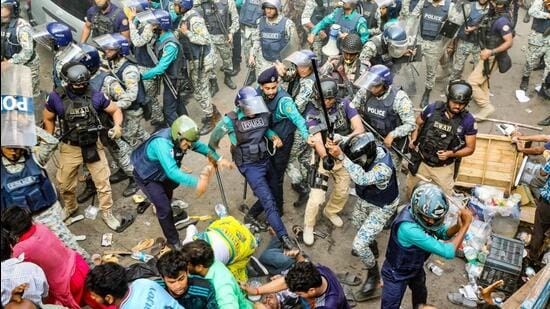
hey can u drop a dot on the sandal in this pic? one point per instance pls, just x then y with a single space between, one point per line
125 222
186 223
142 206
160 243
143 245
349 279
298 231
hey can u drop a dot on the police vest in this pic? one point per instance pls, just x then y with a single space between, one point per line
322 9
380 114
147 169
193 51
294 88
284 127
174 67
97 81
433 18
347 25
140 98
80 115
339 120
104 23
372 193
142 55
413 5
475 18
10 42
541 25
273 38
405 262
30 188
216 13
439 133
369 12
251 145
494 39
251 11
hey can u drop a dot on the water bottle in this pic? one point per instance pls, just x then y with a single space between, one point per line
254 283
435 269
91 212
140 256
221 210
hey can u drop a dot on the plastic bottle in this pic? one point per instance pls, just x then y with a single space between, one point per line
91 212
221 210
435 269
254 283
140 256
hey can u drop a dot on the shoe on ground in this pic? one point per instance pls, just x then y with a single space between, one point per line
308 236
545 122
109 218
248 219
258 266
118 176
180 216
334 219
288 244
88 193
131 189
459 299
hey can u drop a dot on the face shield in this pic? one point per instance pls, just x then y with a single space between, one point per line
42 36
147 17
396 49
369 80
106 41
72 53
253 106
139 5
299 59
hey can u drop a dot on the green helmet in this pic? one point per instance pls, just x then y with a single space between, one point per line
185 128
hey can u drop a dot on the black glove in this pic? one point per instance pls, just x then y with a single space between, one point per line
328 163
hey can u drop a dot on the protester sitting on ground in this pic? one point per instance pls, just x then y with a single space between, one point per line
317 285
200 257
16 272
189 291
108 286
64 268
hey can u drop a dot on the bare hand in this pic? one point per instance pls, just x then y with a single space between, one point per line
485 54
334 150
309 26
224 163
280 67
469 29
115 132
342 35
248 290
204 178
230 38
18 291
131 13
466 216
277 142
183 28
251 61
388 140
412 145
311 38
444 154
322 34
312 140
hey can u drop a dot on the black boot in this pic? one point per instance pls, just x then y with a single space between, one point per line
524 83
131 189
118 176
208 125
251 77
88 192
303 194
229 82
425 98
249 219
236 69
288 244
374 249
370 287
526 18
214 87
545 122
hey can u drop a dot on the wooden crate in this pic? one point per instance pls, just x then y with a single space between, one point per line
494 163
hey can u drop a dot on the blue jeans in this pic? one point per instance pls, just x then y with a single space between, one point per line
274 259
256 176
394 289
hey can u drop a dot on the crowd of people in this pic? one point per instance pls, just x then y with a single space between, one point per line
338 110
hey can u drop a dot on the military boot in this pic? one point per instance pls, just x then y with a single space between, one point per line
307 236
131 189
208 125
425 98
118 176
370 287
524 83
214 87
526 18
236 70
251 77
229 82
110 219
88 192
303 194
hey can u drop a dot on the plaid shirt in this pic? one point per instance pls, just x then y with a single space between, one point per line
16 272
545 191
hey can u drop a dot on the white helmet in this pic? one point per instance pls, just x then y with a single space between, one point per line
276 4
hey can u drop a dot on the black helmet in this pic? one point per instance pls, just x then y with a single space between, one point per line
361 149
75 73
329 88
459 91
352 44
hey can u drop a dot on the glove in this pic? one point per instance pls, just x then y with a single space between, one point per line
115 132
328 163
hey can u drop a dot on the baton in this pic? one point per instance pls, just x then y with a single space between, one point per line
380 137
220 185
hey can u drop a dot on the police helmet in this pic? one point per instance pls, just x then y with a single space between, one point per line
361 149
250 102
114 41
184 4
274 4
75 73
184 128
395 36
459 91
329 89
350 1
91 57
163 19
60 33
376 75
352 44
428 200
139 5
14 4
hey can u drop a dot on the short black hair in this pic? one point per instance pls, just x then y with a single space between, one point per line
171 264
303 276
6 250
199 252
107 279
17 220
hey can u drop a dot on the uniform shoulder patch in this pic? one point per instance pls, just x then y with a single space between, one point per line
506 28
125 22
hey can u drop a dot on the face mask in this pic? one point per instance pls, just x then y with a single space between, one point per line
78 91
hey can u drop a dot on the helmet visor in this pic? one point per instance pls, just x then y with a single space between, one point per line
253 106
42 36
72 53
147 17
139 5
299 59
106 41
369 80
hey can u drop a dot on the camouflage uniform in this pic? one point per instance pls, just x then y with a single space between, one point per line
51 217
152 86
336 67
411 16
25 56
318 43
294 9
538 44
368 218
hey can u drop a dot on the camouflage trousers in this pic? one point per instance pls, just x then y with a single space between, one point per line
152 91
293 10
317 47
300 155
199 78
463 50
51 218
370 220
432 51
225 51
246 33
35 75
538 47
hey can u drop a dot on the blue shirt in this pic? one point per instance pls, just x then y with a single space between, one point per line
147 294
502 26
54 103
468 123
120 20
169 54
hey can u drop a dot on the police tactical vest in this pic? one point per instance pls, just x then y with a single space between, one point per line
140 99
173 69
96 82
284 127
193 51
339 120
251 10
433 18
251 145
493 39
81 115
439 133
294 88
475 18
210 10
10 43
373 194
322 9
142 56
30 188
273 38
541 25
104 23
152 170
369 12
380 114
347 25
405 262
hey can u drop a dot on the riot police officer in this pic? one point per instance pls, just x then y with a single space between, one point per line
445 132
17 43
104 18
346 68
77 106
386 108
248 129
